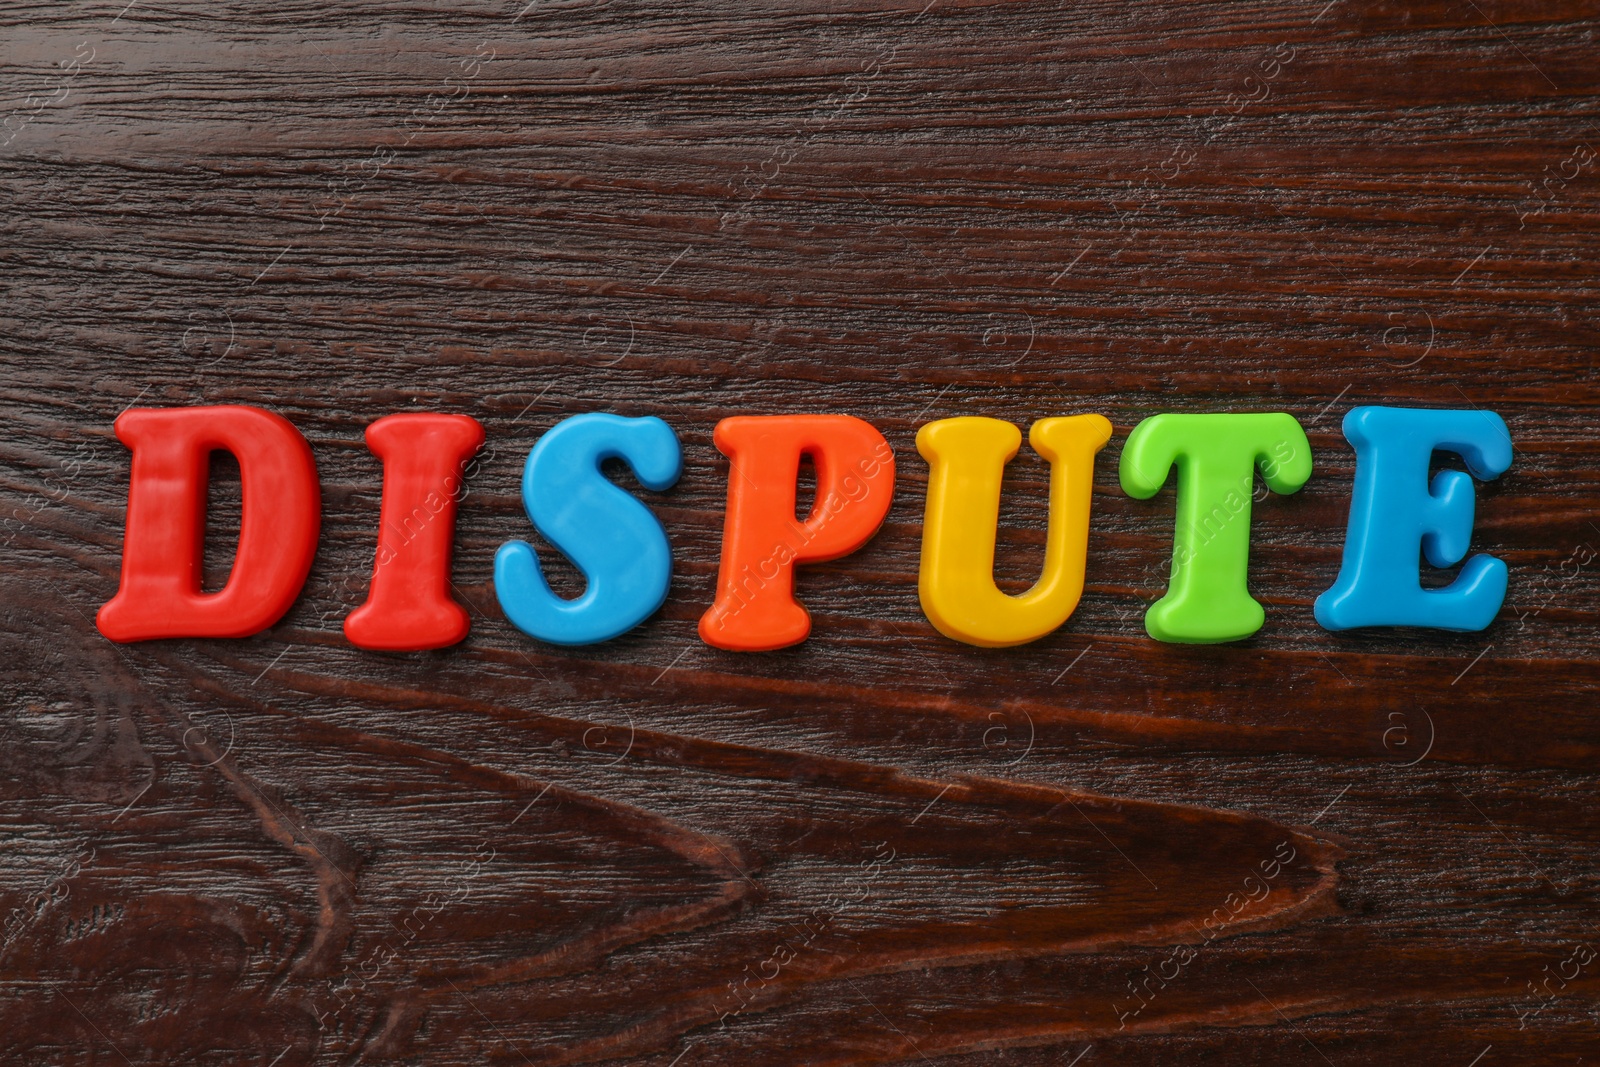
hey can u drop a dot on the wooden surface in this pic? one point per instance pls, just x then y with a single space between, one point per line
880 846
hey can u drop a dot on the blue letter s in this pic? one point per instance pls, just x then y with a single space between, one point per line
616 541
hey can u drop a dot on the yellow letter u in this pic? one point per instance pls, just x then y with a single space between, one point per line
967 457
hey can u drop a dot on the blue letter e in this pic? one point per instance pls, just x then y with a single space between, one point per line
1393 509
616 542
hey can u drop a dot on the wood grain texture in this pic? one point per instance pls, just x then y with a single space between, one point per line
880 846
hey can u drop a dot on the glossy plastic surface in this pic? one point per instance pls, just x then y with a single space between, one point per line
1208 598
967 459
409 607
762 539
160 593
1394 512
617 542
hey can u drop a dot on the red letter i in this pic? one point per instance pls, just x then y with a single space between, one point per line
409 607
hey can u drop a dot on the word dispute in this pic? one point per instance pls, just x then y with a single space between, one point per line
1396 516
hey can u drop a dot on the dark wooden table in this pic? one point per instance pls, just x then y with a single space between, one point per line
879 846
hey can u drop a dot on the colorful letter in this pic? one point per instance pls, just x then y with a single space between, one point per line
1393 509
968 457
1208 599
160 594
755 609
617 542
409 607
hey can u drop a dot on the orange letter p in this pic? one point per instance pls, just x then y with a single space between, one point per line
762 540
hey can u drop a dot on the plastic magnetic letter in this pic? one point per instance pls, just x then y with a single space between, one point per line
281 513
967 457
617 542
762 539
409 607
1393 508
1208 599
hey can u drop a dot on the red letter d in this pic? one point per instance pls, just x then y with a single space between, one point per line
160 594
